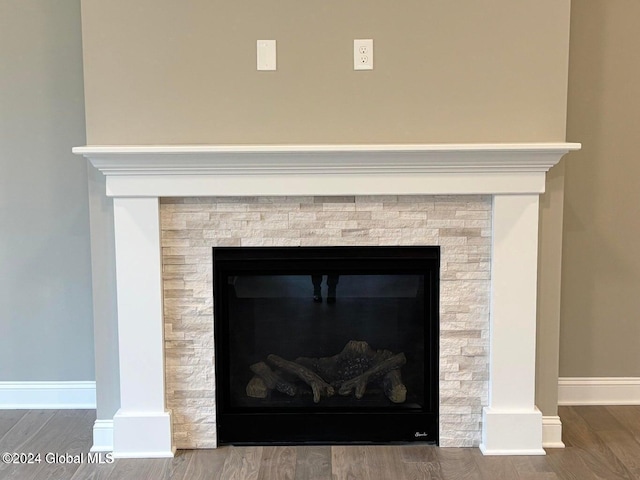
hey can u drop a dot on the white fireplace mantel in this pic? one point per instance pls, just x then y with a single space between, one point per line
514 174
199 170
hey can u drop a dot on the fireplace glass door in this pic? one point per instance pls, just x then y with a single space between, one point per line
326 345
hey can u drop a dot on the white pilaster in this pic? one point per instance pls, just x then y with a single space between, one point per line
142 426
512 425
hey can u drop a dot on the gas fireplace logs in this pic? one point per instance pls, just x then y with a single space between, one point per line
350 371
317 384
271 380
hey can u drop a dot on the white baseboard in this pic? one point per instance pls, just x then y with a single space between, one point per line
102 436
599 391
47 395
552 432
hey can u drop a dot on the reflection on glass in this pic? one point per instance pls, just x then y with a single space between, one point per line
363 347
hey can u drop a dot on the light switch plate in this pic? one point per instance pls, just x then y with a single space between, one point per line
266 54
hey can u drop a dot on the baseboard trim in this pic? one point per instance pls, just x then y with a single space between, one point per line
47 395
552 432
102 436
599 391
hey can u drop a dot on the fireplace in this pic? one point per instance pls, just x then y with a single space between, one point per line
326 344
510 176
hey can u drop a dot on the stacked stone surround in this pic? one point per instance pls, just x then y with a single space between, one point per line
461 225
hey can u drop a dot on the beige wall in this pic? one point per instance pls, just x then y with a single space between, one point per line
600 329
167 72
163 71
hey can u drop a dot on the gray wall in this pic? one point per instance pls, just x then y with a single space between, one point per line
45 270
600 325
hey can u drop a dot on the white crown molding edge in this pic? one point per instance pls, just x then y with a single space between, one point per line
115 160
47 395
274 170
328 148
599 391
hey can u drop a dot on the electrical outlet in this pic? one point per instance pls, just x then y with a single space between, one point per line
363 54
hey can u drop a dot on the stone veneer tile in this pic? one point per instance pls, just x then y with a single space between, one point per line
461 225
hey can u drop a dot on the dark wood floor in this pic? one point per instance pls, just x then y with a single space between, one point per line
602 443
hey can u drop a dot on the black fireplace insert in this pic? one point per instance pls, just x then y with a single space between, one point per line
321 345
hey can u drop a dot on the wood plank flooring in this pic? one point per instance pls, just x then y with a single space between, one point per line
602 443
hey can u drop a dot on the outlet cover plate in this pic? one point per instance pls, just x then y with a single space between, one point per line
363 54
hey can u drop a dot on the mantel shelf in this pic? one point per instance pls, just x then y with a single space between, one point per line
327 149
198 170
